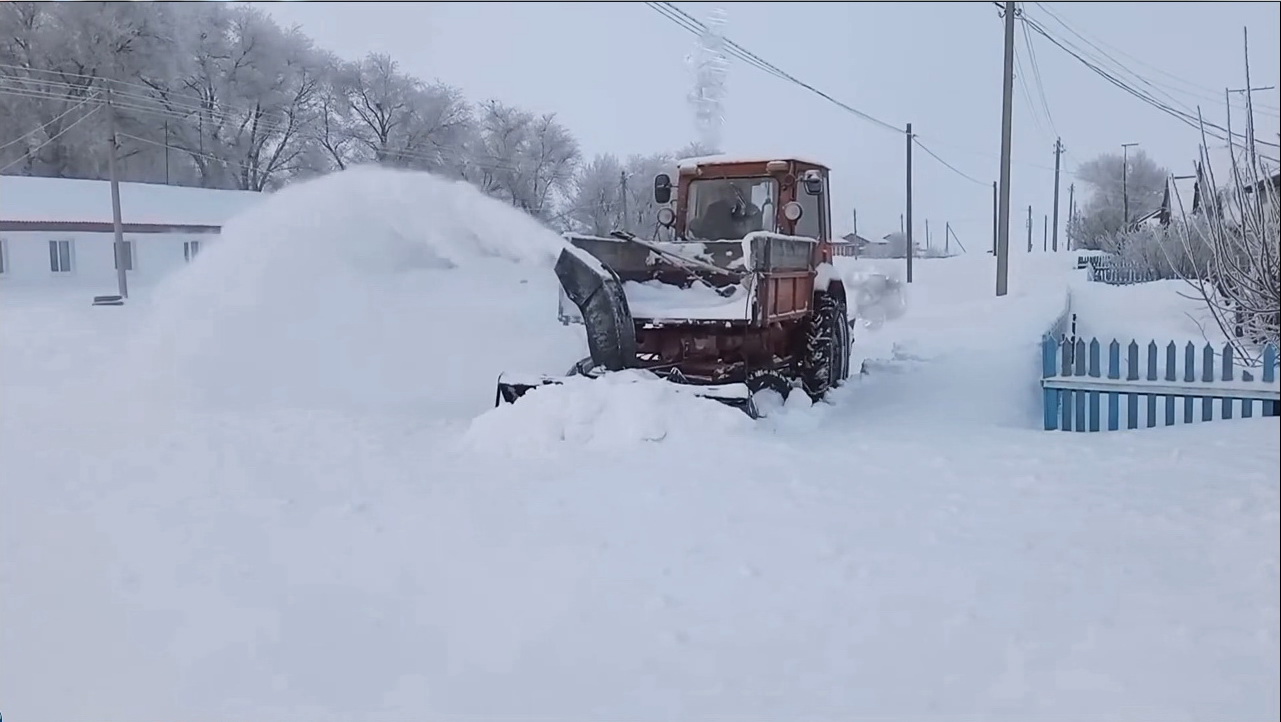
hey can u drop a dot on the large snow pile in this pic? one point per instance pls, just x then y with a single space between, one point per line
613 412
1163 311
368 287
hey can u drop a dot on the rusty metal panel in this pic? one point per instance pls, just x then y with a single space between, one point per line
624 259
773 253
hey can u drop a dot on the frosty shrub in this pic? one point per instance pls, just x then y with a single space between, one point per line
1241 282
1163 253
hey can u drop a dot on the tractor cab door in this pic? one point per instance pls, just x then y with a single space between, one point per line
812 196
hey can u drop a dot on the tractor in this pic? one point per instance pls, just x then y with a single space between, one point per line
741 297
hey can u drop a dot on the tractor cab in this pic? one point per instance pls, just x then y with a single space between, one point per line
721 199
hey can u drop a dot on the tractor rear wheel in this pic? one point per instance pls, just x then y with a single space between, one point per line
825 362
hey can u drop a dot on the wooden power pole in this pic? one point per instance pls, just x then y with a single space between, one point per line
122 282
995 216
1007 113
1071 214
908 251
1058 154
1029 229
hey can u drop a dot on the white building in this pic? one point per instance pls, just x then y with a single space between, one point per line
58 232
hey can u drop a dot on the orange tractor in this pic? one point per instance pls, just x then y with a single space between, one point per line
743 298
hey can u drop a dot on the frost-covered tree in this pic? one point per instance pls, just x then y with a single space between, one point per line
525 159
376 113
1102 213
1241 282
54 57
596 204
220 95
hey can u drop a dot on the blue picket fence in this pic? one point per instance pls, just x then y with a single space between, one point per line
1116 271
1075 382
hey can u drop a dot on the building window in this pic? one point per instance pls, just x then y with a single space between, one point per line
190 249
60 256
126 251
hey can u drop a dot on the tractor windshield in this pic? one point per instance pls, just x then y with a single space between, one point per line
727 209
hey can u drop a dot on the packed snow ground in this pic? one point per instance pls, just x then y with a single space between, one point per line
274 488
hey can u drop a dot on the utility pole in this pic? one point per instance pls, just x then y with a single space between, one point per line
166 152
1058 153
1045 233
1249 121
1071 214
995 201
928 245
947 237
1249 108
1029 229
856 221
622 194
1125 184
122 282
1007 112
908 253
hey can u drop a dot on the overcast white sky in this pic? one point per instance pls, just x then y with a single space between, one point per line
615 74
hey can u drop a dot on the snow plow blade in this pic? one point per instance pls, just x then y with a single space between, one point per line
512 387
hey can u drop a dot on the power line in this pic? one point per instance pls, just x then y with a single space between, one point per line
51 139
1204 93
697 27
1040 84
1186 118
949 166
1020 78
41 127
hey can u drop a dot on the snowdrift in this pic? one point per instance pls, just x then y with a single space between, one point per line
611 413
365 288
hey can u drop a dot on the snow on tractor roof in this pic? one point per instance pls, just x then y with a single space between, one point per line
723 158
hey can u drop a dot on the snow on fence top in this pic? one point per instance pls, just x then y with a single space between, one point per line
743 158
68 200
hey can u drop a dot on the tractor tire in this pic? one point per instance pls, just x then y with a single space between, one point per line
845 344
825 362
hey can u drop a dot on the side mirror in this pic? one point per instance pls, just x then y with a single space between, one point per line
813 182
662 188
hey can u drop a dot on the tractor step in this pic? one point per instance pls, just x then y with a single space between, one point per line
511 387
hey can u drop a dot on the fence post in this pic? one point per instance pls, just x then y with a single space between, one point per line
1151 398
1049 357
1094 395
1114 373
1270 408
1189 375
1207 376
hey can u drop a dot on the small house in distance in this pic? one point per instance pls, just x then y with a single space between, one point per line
58 232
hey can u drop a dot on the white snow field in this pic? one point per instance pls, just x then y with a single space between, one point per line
274 488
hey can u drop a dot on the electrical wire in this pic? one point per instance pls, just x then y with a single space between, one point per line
41 127
50 139
1200 91
698 28
1020 79
1040 84
1194 122
949 166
